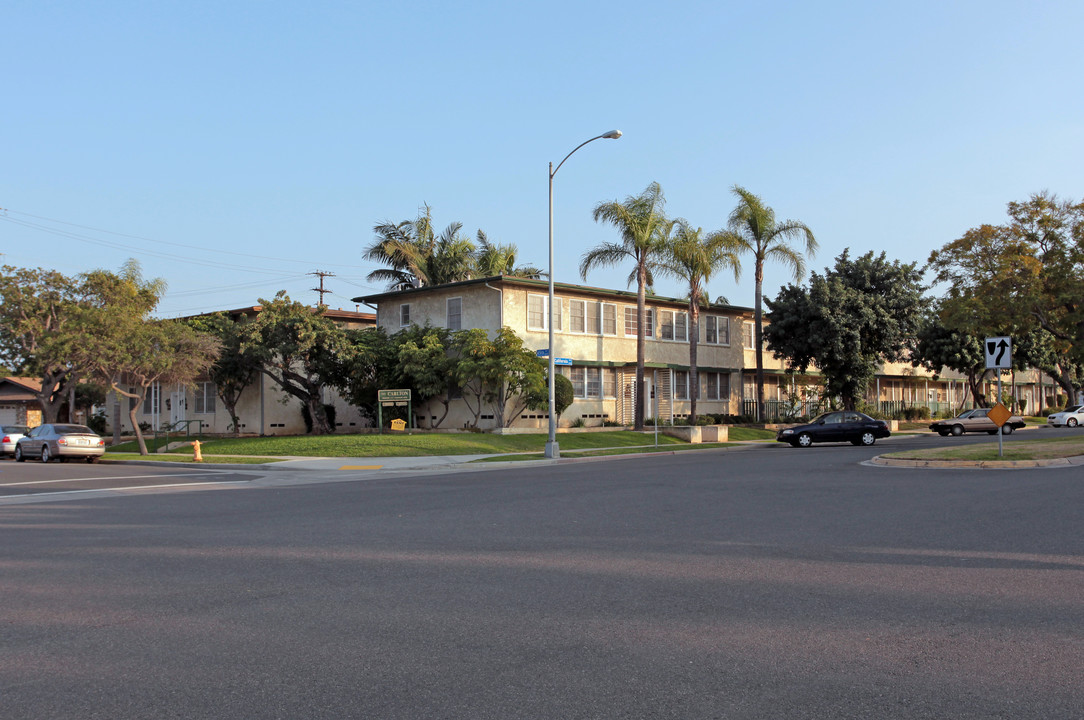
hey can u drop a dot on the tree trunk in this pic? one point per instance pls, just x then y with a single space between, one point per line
694 379
320 424
757 344
641 346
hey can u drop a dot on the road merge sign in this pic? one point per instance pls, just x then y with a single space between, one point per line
998 352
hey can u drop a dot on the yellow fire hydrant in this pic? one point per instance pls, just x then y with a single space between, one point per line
195 446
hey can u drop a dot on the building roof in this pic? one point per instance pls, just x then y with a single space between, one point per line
19 389
626 295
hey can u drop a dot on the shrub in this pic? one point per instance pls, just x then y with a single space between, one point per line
98 423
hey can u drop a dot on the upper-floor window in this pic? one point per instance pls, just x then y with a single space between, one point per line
673 325
716 330
631 324
748 335
609 319
536 312
404 315
455 313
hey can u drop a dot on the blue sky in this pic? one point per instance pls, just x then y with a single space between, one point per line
234 147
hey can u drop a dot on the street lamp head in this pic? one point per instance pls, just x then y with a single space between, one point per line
612 135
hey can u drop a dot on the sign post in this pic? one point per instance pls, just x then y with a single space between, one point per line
998 352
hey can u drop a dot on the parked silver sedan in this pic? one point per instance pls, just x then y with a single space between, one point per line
61 441
9 435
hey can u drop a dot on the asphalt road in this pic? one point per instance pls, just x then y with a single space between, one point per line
761 583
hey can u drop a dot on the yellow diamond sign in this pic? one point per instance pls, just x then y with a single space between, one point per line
999 414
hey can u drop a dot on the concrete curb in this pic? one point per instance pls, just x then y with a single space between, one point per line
979 464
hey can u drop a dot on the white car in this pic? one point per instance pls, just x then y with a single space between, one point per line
1069 417
9 435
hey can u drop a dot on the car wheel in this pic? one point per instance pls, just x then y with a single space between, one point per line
957 430
1071 422
805 440
91 459
1006 429
868 438
45 454
943 433
19 454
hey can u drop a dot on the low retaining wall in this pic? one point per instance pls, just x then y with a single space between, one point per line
699 433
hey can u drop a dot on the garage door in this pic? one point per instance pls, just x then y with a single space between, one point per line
9 415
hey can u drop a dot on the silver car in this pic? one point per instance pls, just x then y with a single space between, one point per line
9 435
61 441
1069 417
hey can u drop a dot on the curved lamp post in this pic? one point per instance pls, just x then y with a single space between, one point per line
553 450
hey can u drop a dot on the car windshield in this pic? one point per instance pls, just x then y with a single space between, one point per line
72 430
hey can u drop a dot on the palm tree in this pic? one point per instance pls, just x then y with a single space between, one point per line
643 226
416 256
496 259
695 257
753 223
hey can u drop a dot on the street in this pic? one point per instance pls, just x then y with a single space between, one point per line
765 582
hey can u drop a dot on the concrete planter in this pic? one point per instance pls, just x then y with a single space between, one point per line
695 434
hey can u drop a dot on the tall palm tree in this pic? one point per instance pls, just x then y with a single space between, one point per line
757 233
417 256
496 259
694 257
643 227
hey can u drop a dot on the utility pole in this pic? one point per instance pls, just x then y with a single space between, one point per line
322 274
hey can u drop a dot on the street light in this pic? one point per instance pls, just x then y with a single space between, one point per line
553 450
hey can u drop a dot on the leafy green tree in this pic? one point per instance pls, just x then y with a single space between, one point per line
694 257
643 225
497 372
859 314
426 364
130 351
760 235
1007 279
300 349
38 328
369 365
938 346
234 370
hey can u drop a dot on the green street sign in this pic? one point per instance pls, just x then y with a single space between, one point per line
389 396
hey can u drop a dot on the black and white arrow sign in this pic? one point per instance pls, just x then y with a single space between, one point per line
998 351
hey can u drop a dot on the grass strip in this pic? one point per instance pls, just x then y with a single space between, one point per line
1015 450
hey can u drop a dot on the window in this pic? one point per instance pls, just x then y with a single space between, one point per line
717 330
536 312
631 324
594 382
404 315
152 401
714 385
204 395
609 382
576 316
579 381
609 319
455 313
748 335
681 326
681 384
666 325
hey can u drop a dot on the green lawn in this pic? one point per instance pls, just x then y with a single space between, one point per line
413 444
1016 450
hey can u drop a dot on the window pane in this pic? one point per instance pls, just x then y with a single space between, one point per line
535 308
558 312
711 333
681 326
666 325
630 321
724 331
575 311
594 382
404 315
609 319
578 382
649 322
681 385
455 313
593 325
609 382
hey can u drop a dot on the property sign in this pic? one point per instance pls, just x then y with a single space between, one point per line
390 397
998 352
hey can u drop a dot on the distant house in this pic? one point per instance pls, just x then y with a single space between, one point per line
19 404
263 409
